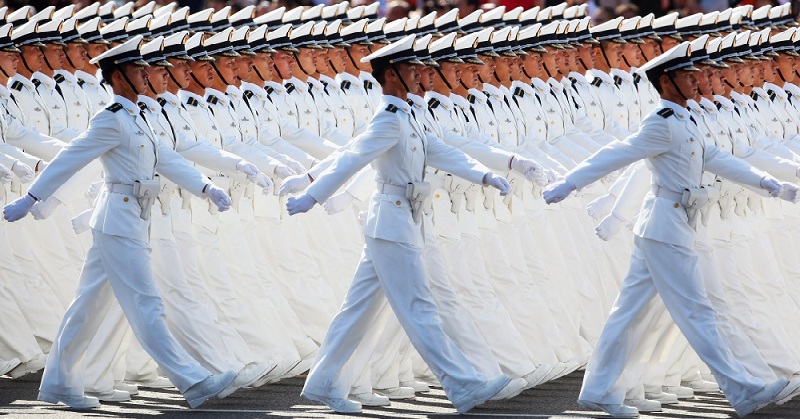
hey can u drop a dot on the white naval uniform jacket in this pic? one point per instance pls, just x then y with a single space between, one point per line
629 95
129 151
22 136
345 116
79 111
677 157
398 148
353 89
51 94
280 135
589 116
97 94
309 112
31 104
373 89
611 102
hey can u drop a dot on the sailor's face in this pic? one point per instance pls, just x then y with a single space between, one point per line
9 62
93 50
33 57
137 76
77 55
244 67
180 71
284 63
410 74
787 65
308 59
426 78
55 56
687 82
158 78
451 72
203 72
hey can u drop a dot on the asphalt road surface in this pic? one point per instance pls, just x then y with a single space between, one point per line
552 400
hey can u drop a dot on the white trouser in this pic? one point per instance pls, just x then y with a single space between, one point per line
478 301
395 272
191 322
672 272
16 338
30 295
222 290
116 267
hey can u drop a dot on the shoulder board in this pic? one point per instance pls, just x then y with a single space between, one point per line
471 98
637 77
212 99
290 87
17 85
81 82
719 105
36 82
754 95
772 95
249 94
596 82
59 78
617 80
392 108
161 101
346 84
666 112
114 107
573 80
367 84
192 101
269 89
519 92
142 106
434 103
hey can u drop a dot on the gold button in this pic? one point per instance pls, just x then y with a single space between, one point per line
692 153
397 203
676 205
438 196
125 199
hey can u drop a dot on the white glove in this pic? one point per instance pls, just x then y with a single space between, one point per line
789 192
23 171
771 185
218 197
559 191
530 169
46 208
609 227
265 183
302 203
497 182
94 189
248 169
283 171
338 202
600 207
81 221
19 208
552 176
296 166
5 175
612 177
294 184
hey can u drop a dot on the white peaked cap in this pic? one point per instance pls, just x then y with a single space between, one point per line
125 53
124 10
65 12
147 9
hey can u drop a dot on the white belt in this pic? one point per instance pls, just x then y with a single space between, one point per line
389 189
122 188
666 193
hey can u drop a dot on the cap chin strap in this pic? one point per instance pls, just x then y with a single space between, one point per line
525 72
605 57
444 79
224 80
495 76
626 61
333 67
127 80
4 72
297 59
729 84
258 73
279 73
69 60
405 86
174 80
351 59
47 62
546 70
680 92
583 64
25 62
780 73
195 80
